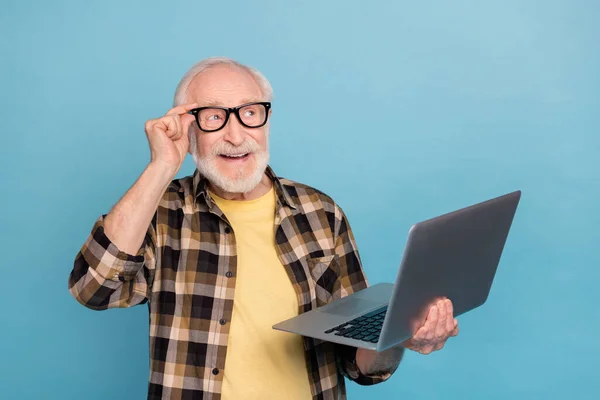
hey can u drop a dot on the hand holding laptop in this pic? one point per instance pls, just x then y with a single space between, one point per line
453 256
439 326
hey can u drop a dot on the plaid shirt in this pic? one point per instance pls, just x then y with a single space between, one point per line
186 272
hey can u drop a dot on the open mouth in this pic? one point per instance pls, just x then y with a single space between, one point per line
235 157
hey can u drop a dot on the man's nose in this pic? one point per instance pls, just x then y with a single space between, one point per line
234 132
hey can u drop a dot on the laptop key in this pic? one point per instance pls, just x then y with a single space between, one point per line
368 324
343 332
370 338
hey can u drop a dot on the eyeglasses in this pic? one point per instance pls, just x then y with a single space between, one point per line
250 115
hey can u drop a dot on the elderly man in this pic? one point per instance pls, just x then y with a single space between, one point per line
222 255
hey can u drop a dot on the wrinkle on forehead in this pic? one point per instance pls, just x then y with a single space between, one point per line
217 103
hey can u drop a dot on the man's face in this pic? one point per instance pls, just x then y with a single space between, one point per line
235 157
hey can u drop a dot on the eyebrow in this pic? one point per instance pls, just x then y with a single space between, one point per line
216 103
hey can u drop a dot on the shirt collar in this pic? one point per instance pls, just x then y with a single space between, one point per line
201 195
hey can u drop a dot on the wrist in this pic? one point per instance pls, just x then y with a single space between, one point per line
162 172
371 362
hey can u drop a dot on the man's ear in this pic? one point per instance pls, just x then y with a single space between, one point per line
191 133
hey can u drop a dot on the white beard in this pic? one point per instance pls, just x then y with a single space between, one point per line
242 183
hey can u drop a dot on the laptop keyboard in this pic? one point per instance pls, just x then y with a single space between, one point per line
366 328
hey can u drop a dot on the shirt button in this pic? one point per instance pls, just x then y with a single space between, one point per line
227 229
215 371
222 322
228 274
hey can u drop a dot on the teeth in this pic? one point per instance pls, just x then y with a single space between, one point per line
236 155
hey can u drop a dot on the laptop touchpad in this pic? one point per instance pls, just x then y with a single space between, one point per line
349 307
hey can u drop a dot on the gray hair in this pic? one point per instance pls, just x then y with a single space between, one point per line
181 91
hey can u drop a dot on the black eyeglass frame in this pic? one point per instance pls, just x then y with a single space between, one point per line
228 111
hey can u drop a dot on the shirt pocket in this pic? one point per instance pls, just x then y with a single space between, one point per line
325 272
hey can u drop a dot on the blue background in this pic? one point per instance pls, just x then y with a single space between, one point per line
399 110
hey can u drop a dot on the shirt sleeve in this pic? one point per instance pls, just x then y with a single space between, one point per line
351 279
105 277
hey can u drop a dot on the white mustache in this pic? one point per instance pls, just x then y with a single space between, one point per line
226 148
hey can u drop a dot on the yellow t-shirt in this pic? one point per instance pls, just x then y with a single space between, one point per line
261 363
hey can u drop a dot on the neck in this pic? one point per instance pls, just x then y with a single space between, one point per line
263 188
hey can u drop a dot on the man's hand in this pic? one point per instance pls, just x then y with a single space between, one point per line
127 223
168 137
439 326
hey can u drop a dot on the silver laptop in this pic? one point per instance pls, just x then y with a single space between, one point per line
454 255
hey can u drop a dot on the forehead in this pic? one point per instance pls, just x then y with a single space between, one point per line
224 85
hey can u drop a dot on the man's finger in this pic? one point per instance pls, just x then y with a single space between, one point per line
440 327
455 330
186 121
426 332
450 321
179 132
430 324
418 338
168 125
182 109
